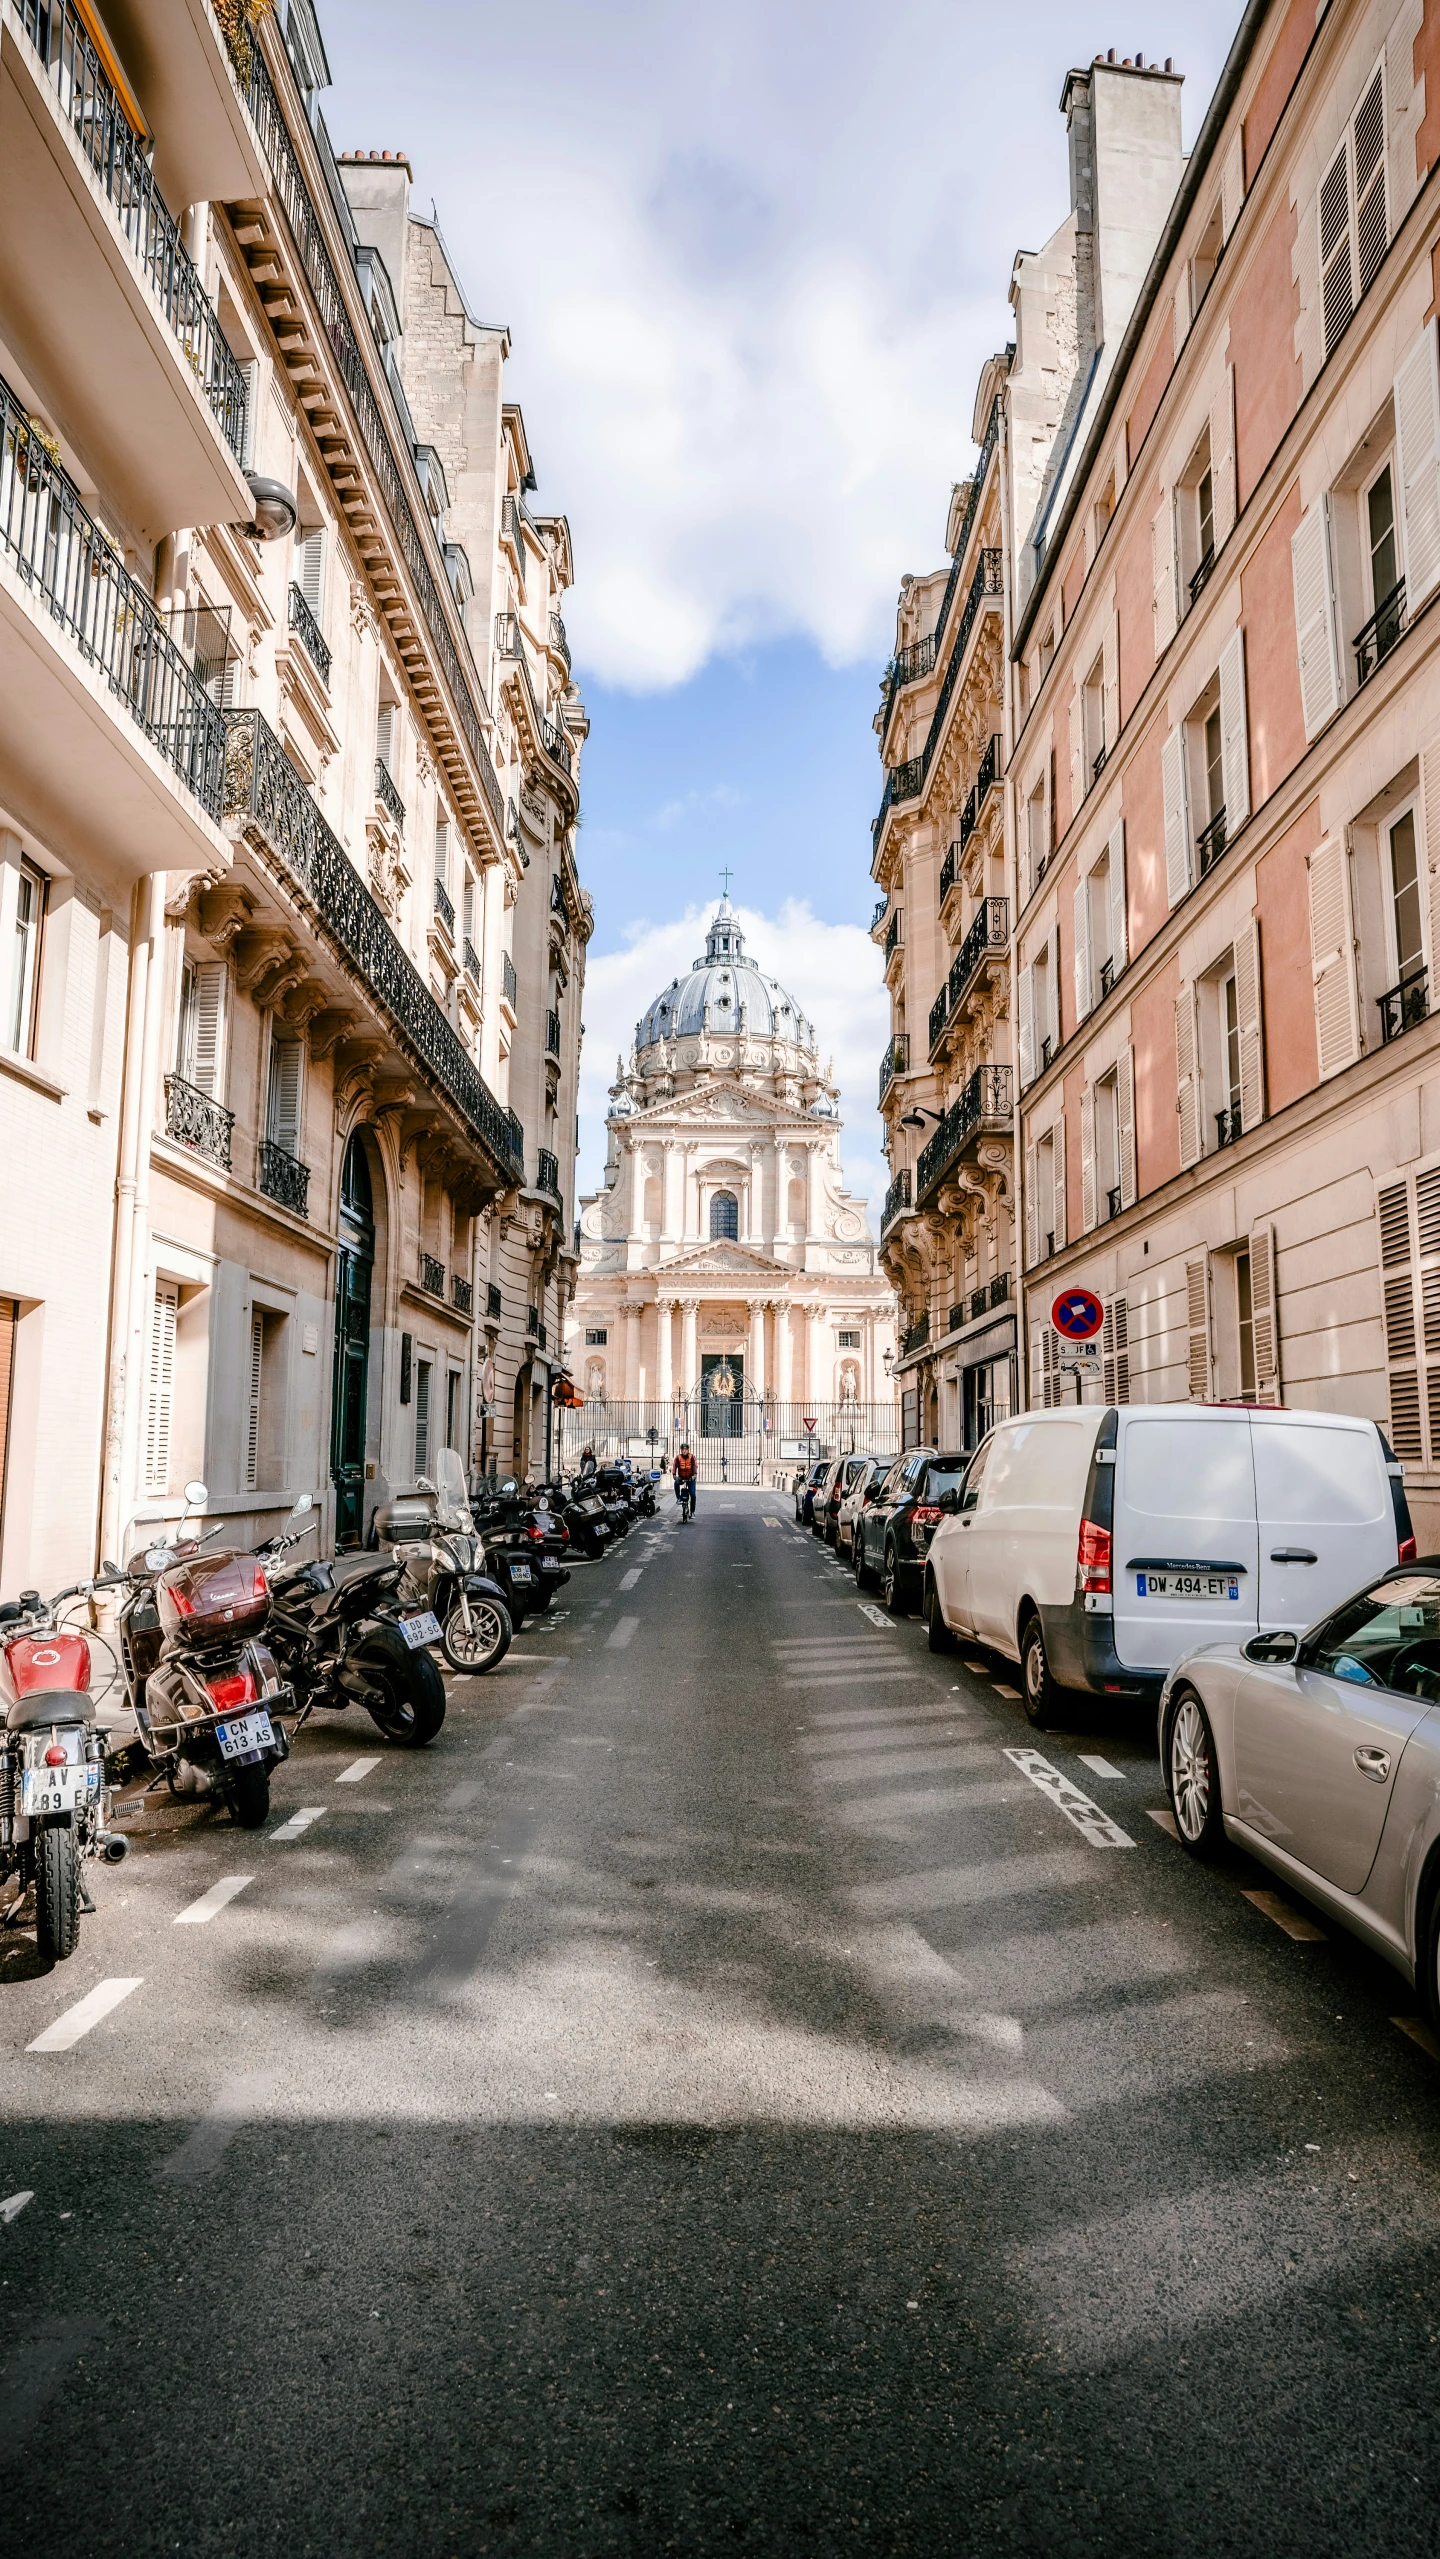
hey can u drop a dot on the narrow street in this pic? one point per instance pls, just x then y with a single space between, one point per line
714 2098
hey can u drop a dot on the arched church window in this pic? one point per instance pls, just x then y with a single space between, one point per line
725 1216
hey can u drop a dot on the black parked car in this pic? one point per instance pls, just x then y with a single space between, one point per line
838 1483
893 1533
807 1483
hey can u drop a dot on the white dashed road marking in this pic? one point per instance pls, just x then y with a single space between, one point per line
629 1580
14 2204
1101 1767
770 1523
1164 1819
876 1615
1002 1691
620 1634
848 1678
87 2012
1066 1796
357 1769
307 1814
205 1908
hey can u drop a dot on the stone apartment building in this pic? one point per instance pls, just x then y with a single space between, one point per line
287 890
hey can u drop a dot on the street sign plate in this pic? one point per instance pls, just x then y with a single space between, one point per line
1076 1359
1077 1315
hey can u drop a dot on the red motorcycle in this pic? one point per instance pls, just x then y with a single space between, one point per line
54 1801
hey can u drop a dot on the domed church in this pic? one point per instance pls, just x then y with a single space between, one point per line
729 1285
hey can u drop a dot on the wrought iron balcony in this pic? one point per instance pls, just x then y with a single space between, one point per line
507 635
558 640
986 776
510 529
542 1337
1047 1052
915 1336
894 933
906 667
1097 762
1107 974
1405 1005
949 871
509 980
988 938
1210 842
983 1301
1228 1126
896 1199
547 1172
895 1061
879 915
445 907
117 158
262 785
389 798
462 1295
492 1302
955 1318
552 1034
432 1275
309 634
984 1100
472 960
532 1321
60 553
557 895
1379 635
193 1120
938 1013
1197 581
556 744
1112 1200
284 1178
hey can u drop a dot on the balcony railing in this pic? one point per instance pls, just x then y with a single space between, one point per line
309 634
193 1120
1385 626
1200 575
986 1097
556 744
112 148
983 1301
949 871
1405 1005
896 1198
906 781
1210 842
547 1172
492 1302
1113 1200
895 1061
894 933
987 938
283 1177
532 1321
510 528
906 667
938 1012
509 980
432 1275
472 960
915 1336
1228 1126
293 195
445 907
262 784
1097 762
552 1034
462 1295
1107 974
879 915
389 798
507 635
558 641
59 551
557 895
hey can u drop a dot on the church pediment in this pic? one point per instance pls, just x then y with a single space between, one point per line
714 1260
725 1105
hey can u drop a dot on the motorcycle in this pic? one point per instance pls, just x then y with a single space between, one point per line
524 1546
582 1512
204 1685
343 1637
54 1801
441 1554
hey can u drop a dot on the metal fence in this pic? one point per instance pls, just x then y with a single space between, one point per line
736 1440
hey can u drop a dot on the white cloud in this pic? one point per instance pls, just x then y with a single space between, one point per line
832 970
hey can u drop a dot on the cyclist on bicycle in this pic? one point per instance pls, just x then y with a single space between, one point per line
684 1474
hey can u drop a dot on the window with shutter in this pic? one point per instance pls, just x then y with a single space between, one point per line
1032 1213
1119 920
1372 227
1087 1159
160 1398
1162 560
1057 1153
252 1426
1187 1078
1027 1026
1316 633
282 1108
1222 460
1234 735
1417 457
1177 816
1337 274
1408 1215
310 570
1332 957
199 1057
1197 1323
1264 1315
1354 212
1125 1126
1084 996
1249 1027
1115 1351
423 1374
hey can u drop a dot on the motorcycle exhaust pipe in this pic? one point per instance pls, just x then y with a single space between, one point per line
114 1847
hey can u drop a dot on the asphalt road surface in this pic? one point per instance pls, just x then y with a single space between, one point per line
714 2098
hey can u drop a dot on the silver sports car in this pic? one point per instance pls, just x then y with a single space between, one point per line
1320 1753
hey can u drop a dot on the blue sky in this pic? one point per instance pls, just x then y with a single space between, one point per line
752 261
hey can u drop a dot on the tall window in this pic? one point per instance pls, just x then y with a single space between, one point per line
201 1027
161 1398
1403 884
309 569
1230 1037
25 959
257 1371
453 1384
424 1373
725 1216
282 1104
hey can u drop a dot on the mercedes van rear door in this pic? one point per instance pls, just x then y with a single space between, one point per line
1327 1522
1185 1549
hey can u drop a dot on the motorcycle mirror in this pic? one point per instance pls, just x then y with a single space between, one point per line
196 1495
423 1484
304 1502
108 1567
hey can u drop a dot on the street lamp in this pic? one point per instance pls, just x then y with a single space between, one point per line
917 1118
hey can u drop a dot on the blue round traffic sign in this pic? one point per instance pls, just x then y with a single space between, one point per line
1078 1314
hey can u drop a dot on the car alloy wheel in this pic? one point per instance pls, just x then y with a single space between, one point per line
1191 1774
891 1588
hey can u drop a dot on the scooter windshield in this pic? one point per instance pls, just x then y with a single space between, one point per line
452 1501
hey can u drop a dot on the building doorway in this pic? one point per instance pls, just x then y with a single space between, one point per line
355 1266
722 1394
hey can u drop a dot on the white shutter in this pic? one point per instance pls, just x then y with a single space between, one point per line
1332 957
1234 735
1162 560
252 1427
1177 816
1222 458
1372 225
309 569
1430 811
1265 1314
1337 274
385 737
1248 1006
1232 184
1197 1321
1110 677
1084 996
160 1399
1032 1216
1125 1121
1087 1158
1417 454
1187 1082
1316 639
1057 1141
282 1117
1052 989
1027 1026
1077 749
250 377
1115 1351
207 1027
1119 921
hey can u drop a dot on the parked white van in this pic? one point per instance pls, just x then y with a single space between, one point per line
1094 1546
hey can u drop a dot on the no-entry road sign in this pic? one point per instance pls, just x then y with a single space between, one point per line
1077 1315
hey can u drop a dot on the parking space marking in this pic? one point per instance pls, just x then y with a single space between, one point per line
770 1523
87 2012
197 1912
239 2102
1065 1795
357 1769
1164 1820
620 1634
1002 1691
981 1670
14 2204
1415 2027
848 1678
876 1615
629 1580
1091 1759
292 1829
1296 1923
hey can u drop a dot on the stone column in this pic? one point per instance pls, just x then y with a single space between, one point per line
756 1362
784 1366
672 1181
631 1312
664 1379
689 1358
637 1192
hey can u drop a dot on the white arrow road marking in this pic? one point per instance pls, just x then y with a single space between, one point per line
357 1769
1063 1792
87 2012
197 1912
307 1814
14 2204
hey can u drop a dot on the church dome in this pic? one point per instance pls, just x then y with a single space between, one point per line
725 991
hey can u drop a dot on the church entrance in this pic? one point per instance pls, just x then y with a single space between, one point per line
722 1394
